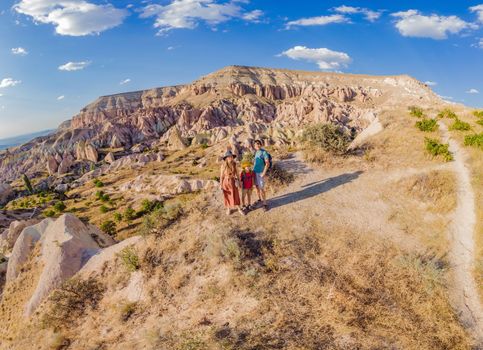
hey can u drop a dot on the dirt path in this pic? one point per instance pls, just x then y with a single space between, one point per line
464 292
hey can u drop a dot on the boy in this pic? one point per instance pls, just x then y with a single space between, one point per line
247 178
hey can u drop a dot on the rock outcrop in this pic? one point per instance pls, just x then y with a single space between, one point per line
6 192
226 99
66 245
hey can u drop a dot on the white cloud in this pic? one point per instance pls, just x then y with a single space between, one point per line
73 66
318 21
326 59
125 81
472 91
253 16
72 17
370 15
19 51
8 82
61 97
187 14
431 83
479 11
1 95
412 23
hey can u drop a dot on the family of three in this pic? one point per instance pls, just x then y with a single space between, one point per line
231 180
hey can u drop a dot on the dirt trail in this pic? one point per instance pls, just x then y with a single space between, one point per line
464 292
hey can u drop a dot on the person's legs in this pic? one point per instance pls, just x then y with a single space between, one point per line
249 196
244 194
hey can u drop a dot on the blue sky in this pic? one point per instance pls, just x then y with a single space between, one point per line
56 56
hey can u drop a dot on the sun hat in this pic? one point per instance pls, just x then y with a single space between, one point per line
228 154
246 164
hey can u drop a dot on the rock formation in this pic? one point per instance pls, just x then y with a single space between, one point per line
213 105
5 193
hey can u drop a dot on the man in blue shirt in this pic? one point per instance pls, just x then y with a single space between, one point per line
260 168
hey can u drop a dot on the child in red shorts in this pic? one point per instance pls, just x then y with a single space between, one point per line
247 179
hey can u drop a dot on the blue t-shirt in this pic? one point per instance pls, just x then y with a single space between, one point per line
260 158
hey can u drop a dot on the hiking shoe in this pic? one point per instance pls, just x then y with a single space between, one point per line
265 207
242 212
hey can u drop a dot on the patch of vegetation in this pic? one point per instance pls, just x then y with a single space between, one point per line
447 113
103 209
416 111
161 218
130 259
98 183
480 122
328 137
129 214
148 206
117 217
60 206
127 310
427 125
478 114
70 302
48 213
460 125
475 140
109 227
435 148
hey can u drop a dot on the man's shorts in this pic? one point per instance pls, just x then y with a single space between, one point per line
259 181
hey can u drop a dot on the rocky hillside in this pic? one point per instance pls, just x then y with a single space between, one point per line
212 106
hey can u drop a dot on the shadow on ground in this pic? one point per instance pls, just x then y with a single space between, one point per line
313 189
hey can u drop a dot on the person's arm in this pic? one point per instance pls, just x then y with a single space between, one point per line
267 165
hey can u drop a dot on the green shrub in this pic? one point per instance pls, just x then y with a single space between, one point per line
118 217
99 194
427 125
327 136
204 145
59 206
480 122
71 301
127 310
416 111
161 218
435 148
447 113
475 140
49 213
109 227
460 125
129 214
279 176
98 183
103 209
148 206
478 114
105 198
130 258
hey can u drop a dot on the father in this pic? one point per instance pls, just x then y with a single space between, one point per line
260 168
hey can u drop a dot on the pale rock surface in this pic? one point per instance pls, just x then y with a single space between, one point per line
65 247
110 158
24 245
6 192
15 229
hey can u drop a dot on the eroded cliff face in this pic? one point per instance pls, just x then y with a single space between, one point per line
228 98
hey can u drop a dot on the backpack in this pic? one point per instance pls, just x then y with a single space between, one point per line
270 163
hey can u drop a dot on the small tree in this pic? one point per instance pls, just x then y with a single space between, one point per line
118 217
59 206
129 214
27 183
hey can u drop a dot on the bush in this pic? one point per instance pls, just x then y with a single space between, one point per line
98 183
478 114
129 214
475 140
103 209
161 218
460 125
105 198
27 183
204 145
99 194
328 137
127 310
148 206
427 125
438 149
130 258
447 113
72 300
118 217
480 122
49 213
109 227
416 112
59 206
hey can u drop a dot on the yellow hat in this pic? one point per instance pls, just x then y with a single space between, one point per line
246 164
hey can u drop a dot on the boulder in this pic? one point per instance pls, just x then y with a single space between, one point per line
66 164
139 148
61 188
175 141
23 246
15 229
6 192
66 245
91 153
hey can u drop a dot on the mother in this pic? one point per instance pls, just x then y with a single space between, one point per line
229 180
